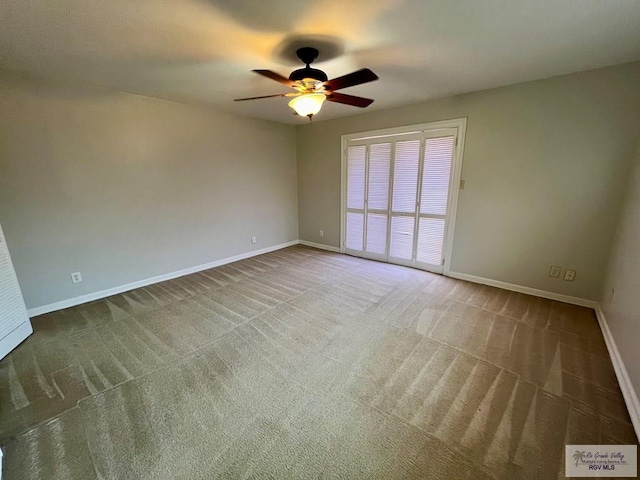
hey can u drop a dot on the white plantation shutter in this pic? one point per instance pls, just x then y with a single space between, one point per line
356 176
405 176
430 240
438 159
398 191
12 310
379 169
379 172
14 320
434 197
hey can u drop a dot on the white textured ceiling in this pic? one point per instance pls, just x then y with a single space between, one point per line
202 51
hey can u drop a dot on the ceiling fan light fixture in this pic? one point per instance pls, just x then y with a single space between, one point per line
313 88
308 105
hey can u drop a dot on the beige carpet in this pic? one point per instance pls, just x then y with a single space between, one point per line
307 364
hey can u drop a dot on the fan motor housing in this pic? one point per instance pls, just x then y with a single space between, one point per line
308 55
308 72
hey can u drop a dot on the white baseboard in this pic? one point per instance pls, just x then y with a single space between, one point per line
522 289
320 246
72 302
628 391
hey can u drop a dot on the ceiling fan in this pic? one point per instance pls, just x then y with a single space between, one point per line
313 86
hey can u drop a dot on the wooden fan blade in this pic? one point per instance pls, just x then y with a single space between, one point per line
349 100
256 98
292 94
356 78
275 76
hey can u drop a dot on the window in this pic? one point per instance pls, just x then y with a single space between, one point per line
400 195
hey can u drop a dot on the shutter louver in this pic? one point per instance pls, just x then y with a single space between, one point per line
405 176
355 176
430 240
355 231
12 310
402 237
379 166
438 158
377 233
14 319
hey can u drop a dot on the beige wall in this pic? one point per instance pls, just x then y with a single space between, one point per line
545 163
123 188
621 293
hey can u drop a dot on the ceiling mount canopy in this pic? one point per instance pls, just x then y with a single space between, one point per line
314 87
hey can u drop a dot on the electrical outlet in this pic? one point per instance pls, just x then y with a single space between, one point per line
254 240
570 275
76 277
555 272
322 233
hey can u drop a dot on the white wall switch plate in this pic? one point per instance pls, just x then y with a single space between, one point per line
322 233
76 277
570 275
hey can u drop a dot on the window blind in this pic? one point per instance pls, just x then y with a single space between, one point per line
430 240
438 158
402 237
355 230
398 189
379 169
405 176
355 176
377 233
